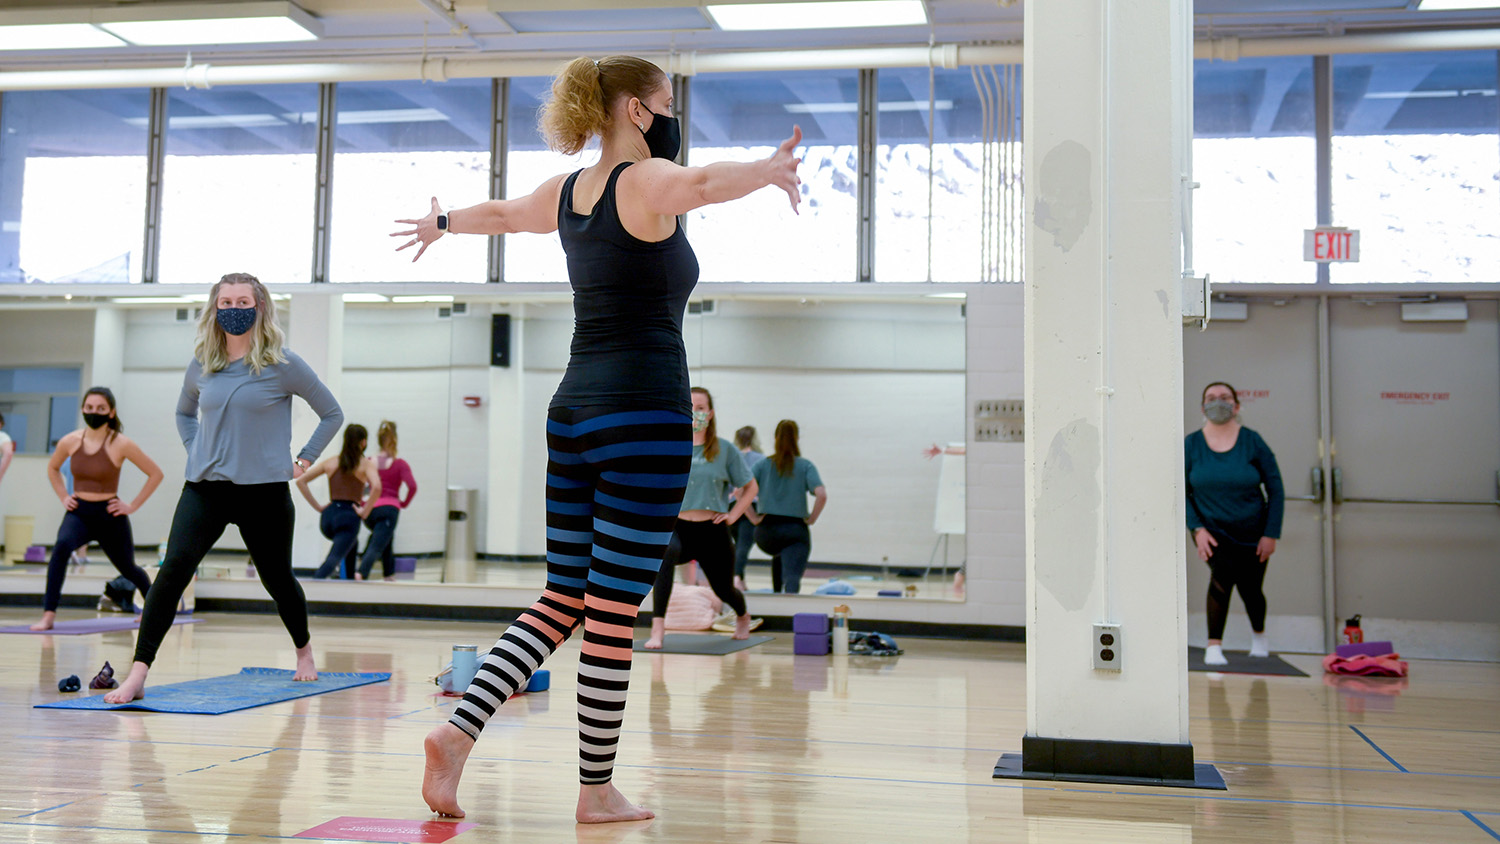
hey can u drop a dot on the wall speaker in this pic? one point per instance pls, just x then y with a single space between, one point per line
500 340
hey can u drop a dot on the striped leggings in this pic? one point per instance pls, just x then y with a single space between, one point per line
615 480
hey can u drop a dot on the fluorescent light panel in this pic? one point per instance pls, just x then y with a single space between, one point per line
257 30
164 24
365 298
407 300
1456 5
826 14
55 36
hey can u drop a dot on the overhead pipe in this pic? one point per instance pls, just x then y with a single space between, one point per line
948 56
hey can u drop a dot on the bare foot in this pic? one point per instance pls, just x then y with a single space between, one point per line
447 749
133 688
46 622
742 626
739 583
605 804
658 631
306 668
358 576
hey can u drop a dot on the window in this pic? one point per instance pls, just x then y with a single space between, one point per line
529 163
238 183
1416 166
1254 158
956 159
72 185
742 117
40 405
397 145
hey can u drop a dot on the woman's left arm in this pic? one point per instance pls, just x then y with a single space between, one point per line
131 451
411 484
302 381
820 498
372 477
1270 478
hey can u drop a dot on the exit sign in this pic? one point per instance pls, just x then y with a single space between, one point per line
1328 245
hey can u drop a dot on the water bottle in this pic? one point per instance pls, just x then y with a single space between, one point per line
840 630
465 663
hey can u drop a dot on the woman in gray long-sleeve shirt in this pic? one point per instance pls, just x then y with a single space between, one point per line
235 419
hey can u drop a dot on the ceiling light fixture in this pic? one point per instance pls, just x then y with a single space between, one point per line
1456 5
409 300
823 14
159 25
55 36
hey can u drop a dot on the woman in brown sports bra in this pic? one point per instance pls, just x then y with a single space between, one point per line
95 511
347 507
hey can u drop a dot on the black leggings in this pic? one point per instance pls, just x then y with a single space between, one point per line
264 515
1235 566
340 523
789 543
708 543
91 521
744 540
382 525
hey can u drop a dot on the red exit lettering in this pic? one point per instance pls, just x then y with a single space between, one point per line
1332 246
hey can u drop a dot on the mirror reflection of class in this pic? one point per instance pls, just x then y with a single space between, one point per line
445 390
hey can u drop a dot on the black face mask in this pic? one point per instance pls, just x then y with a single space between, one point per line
664 137
96 420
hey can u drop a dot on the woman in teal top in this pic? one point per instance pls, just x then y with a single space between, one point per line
1234 509
702 530
785 480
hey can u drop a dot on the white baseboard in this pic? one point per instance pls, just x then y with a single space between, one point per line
1470 641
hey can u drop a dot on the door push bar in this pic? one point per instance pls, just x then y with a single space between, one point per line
1338 494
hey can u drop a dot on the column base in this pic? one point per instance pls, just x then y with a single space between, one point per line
1114 762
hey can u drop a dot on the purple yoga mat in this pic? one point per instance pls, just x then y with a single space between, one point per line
82 626
1364 649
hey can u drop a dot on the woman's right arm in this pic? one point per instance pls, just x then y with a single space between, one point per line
65 448
187 406
317 470
535 213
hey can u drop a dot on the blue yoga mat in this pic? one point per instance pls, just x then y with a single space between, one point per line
250 688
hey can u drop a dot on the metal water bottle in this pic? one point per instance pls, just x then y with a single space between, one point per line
465 663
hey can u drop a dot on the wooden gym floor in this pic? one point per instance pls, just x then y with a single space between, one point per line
758 746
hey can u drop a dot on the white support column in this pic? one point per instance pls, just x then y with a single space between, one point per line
107 367
1106 124
511 431
316 333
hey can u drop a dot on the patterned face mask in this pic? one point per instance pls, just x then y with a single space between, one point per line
700 420
236 321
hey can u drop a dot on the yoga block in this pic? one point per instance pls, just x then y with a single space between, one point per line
810 644
1364 649
36 554
540 681
408 564
888 593
810 622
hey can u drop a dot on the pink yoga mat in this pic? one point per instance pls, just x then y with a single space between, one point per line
82 626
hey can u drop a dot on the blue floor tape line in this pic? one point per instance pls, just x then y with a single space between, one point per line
1481 824
250 688
1378 750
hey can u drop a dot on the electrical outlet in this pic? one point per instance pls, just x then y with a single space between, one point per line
1107 650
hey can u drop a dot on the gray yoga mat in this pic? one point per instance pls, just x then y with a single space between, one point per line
82 626
710 644
1240 662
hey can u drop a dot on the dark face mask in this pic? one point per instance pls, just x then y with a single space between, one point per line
96 420
236 321
663 136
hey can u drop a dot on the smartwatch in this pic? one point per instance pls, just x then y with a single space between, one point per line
442 222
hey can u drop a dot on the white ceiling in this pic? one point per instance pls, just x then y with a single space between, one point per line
393 29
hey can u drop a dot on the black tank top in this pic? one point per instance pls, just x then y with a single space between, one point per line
628 300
